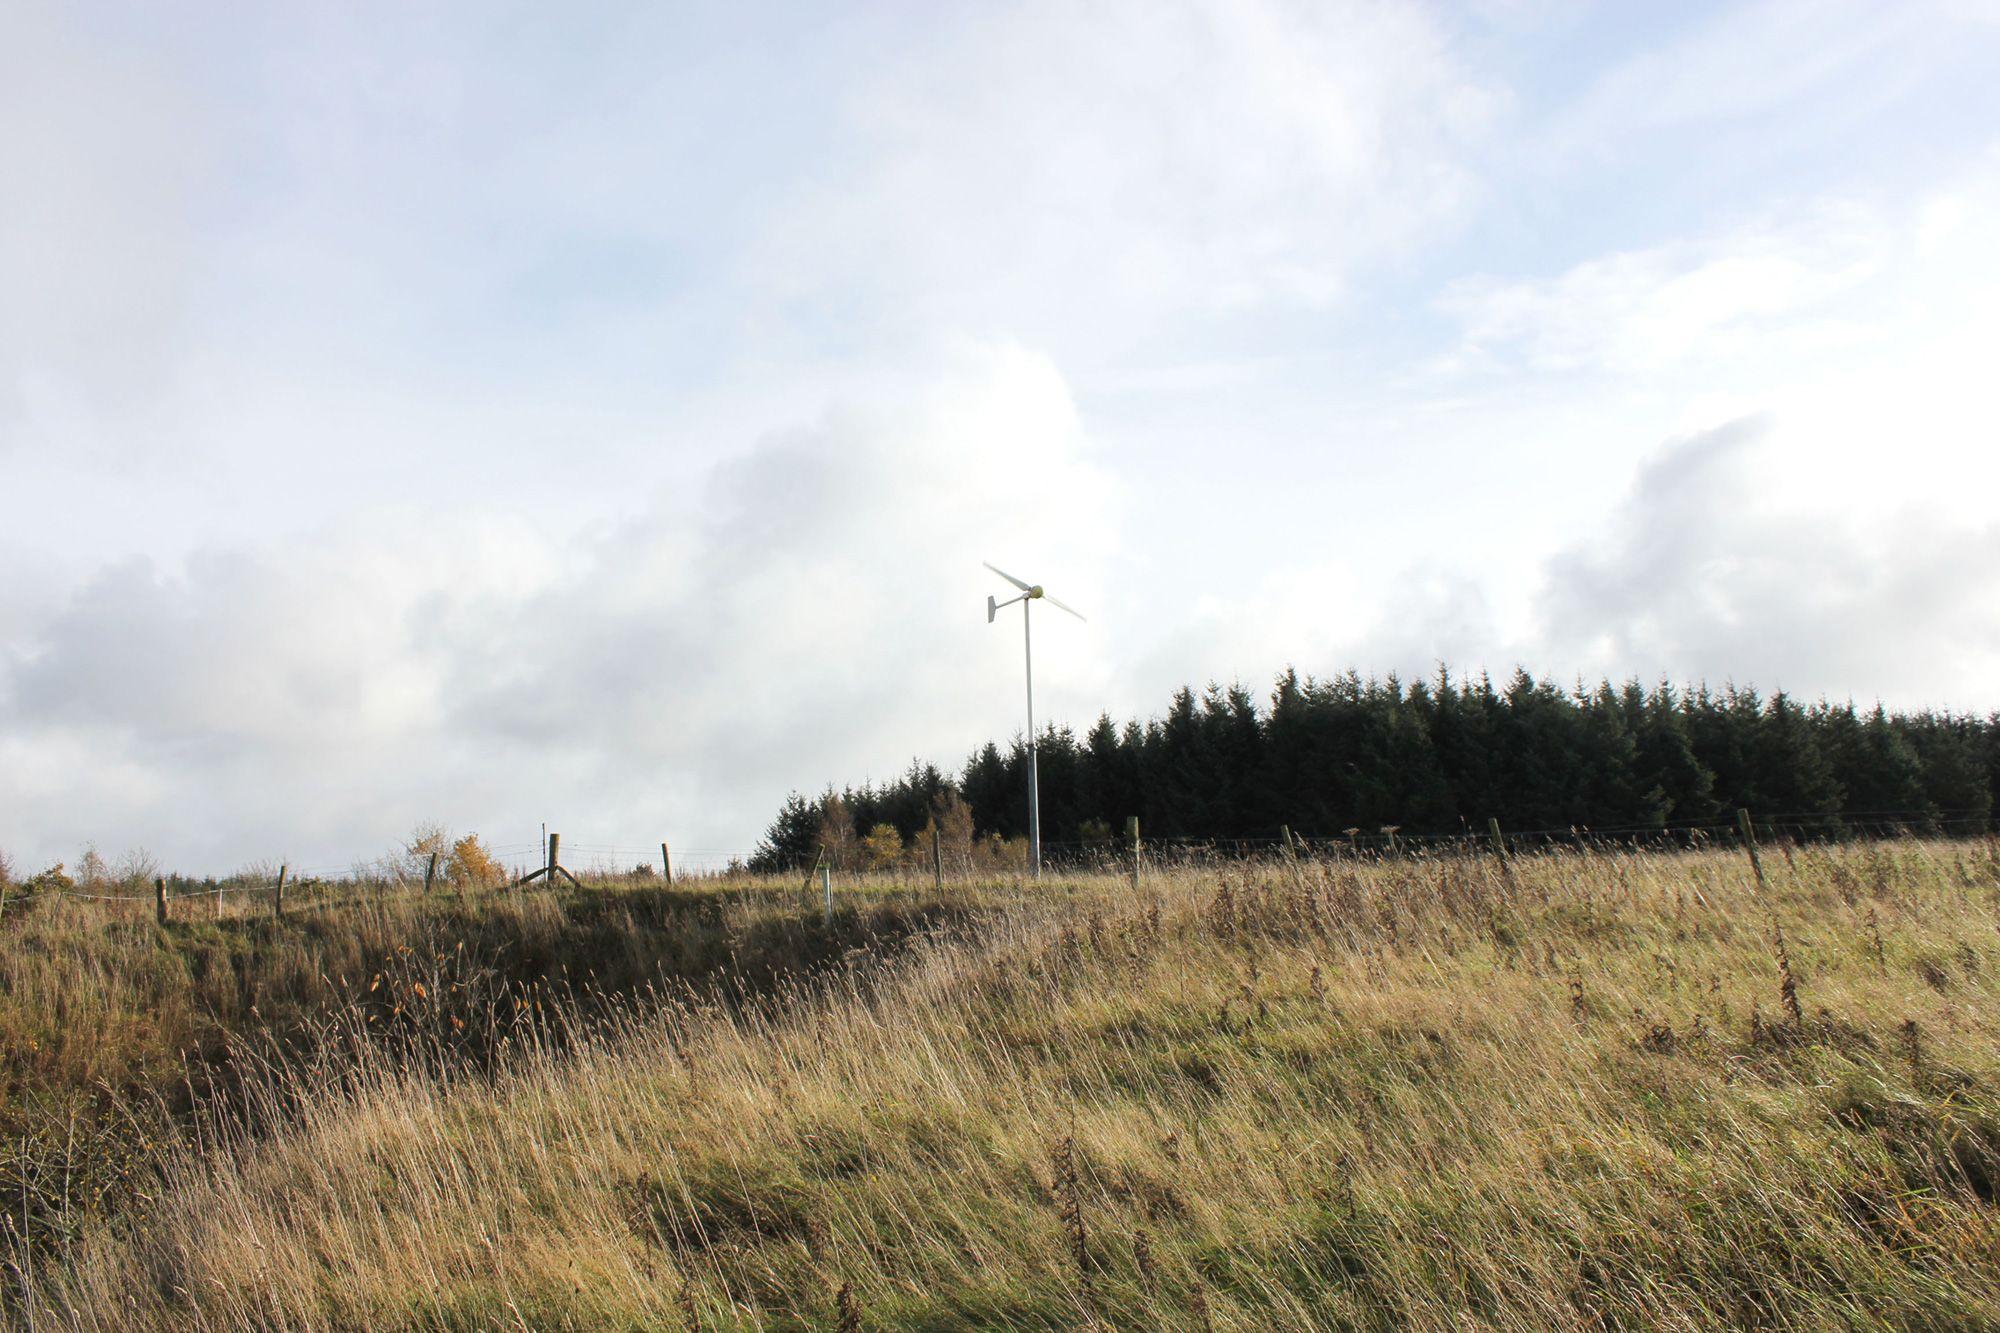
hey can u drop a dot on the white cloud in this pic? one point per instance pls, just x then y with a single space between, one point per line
1772 291
1857 327
1706 570
531 279
98 172
1060 170
1751 60
812 614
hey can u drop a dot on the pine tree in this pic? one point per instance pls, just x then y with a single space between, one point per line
1878 769
1955 790
1437 757
999 805
1616 791
1667 760
792 838
1793 776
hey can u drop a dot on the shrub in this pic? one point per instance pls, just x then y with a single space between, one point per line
471 865
953 818
883 846
52 880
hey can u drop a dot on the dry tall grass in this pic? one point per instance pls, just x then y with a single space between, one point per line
1591 1090
115 1031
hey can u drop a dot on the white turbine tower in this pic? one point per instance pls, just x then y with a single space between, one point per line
1029 593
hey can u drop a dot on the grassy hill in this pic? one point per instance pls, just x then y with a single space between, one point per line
1584 1090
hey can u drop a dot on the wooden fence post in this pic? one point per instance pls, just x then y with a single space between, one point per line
937 857
278 894
555 866
160 899
551 865
826 887
1749 831
431 872
1132 832
666 864
1500 852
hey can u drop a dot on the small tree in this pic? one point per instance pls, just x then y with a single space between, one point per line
471 865
953 818
136 869
836 840
883 846
793 838
91 871
427 839
6 870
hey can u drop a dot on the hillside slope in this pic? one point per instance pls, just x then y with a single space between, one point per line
1588 1090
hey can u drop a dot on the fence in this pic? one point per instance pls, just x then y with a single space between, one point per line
1392 841
316 887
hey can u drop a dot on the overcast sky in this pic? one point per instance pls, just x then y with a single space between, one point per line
598 414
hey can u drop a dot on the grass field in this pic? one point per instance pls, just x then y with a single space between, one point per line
1583 1090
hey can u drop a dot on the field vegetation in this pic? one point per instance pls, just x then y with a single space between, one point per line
120 1037
1585 1088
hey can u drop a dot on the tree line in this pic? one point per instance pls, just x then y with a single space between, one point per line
1347 756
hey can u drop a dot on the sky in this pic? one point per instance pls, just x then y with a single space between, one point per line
597 415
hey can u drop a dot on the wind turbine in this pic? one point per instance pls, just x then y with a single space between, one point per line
1030 592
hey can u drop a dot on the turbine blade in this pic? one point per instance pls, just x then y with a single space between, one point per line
1009 577
1065 607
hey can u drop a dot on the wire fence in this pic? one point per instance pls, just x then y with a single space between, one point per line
1389 841
286 888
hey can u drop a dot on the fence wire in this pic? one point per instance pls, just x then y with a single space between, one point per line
378 875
